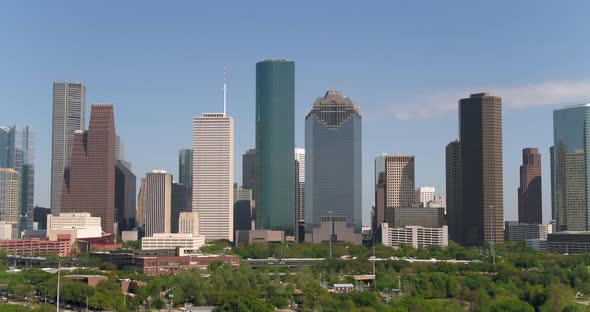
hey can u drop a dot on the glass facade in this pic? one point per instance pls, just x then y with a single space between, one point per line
18 152
333 161
275 142
571 134
185 167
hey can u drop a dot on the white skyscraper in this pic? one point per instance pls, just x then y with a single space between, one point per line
69 104
9 202
425 194
300 183
213 173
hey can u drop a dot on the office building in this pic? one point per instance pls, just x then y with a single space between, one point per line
213 174
552 177
275 141
188 223
69 105
185 167
125 200
242 208
181 202
416 236
89 181
155 202
453 187
141 205
9 199
425 195
530 208
336 228
378 213
75 225
300 184
40 217
259 236
571 168
249 170
17 147
399 183
517 231
6 230
172 241
333 141
120 152
482 197
421 216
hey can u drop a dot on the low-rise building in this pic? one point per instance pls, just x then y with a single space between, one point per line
416 236
342 288
259 236
172 241
417 216
6 230
77 225
336 228
516 231
570 242
90 280
164 265
127 236
37 247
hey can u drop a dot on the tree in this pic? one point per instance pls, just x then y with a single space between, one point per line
512 305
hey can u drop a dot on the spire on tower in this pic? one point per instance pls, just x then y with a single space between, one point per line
224 90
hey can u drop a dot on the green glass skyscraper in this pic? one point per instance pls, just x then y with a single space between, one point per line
275 142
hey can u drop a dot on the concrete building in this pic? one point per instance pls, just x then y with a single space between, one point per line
10 200
185 167
453 187
17 147
188 223
181 202
336 228
571 170
127 236
37 247
259 236
69 104
416 236
552 177
249 170
568 242
300 184
399 183
378 213
125 200
333 140
425 195
275 142
213 174
517 231
530 205
155 200
172 241
6 230
89 181
482 197
73 225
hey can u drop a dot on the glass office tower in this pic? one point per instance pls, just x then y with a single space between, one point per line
275 142
571 155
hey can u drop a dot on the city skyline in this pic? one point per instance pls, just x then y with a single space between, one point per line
521 111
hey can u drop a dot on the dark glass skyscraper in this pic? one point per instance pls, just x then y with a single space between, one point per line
125 187
333 160
453 184
275 143
571 165
249 169
89 181
529 193
181 202
185 167
482 197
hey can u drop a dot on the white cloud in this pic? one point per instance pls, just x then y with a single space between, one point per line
513 97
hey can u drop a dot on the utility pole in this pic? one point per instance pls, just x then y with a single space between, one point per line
58 278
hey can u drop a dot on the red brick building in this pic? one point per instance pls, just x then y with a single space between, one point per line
163 265
36 247
89 182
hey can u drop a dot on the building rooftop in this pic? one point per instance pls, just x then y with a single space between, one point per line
573 106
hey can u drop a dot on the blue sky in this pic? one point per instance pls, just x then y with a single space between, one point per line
405 63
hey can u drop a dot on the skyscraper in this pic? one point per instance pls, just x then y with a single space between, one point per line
185 167
89 181
69 104
529 193
155 200
275 141
249 170
425 195
571 152
9 199
453 185
181 199
399 184
213 174
17 147
480 135
552 177
333 141
125 187
300 184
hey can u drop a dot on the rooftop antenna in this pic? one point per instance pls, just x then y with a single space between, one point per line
224 90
